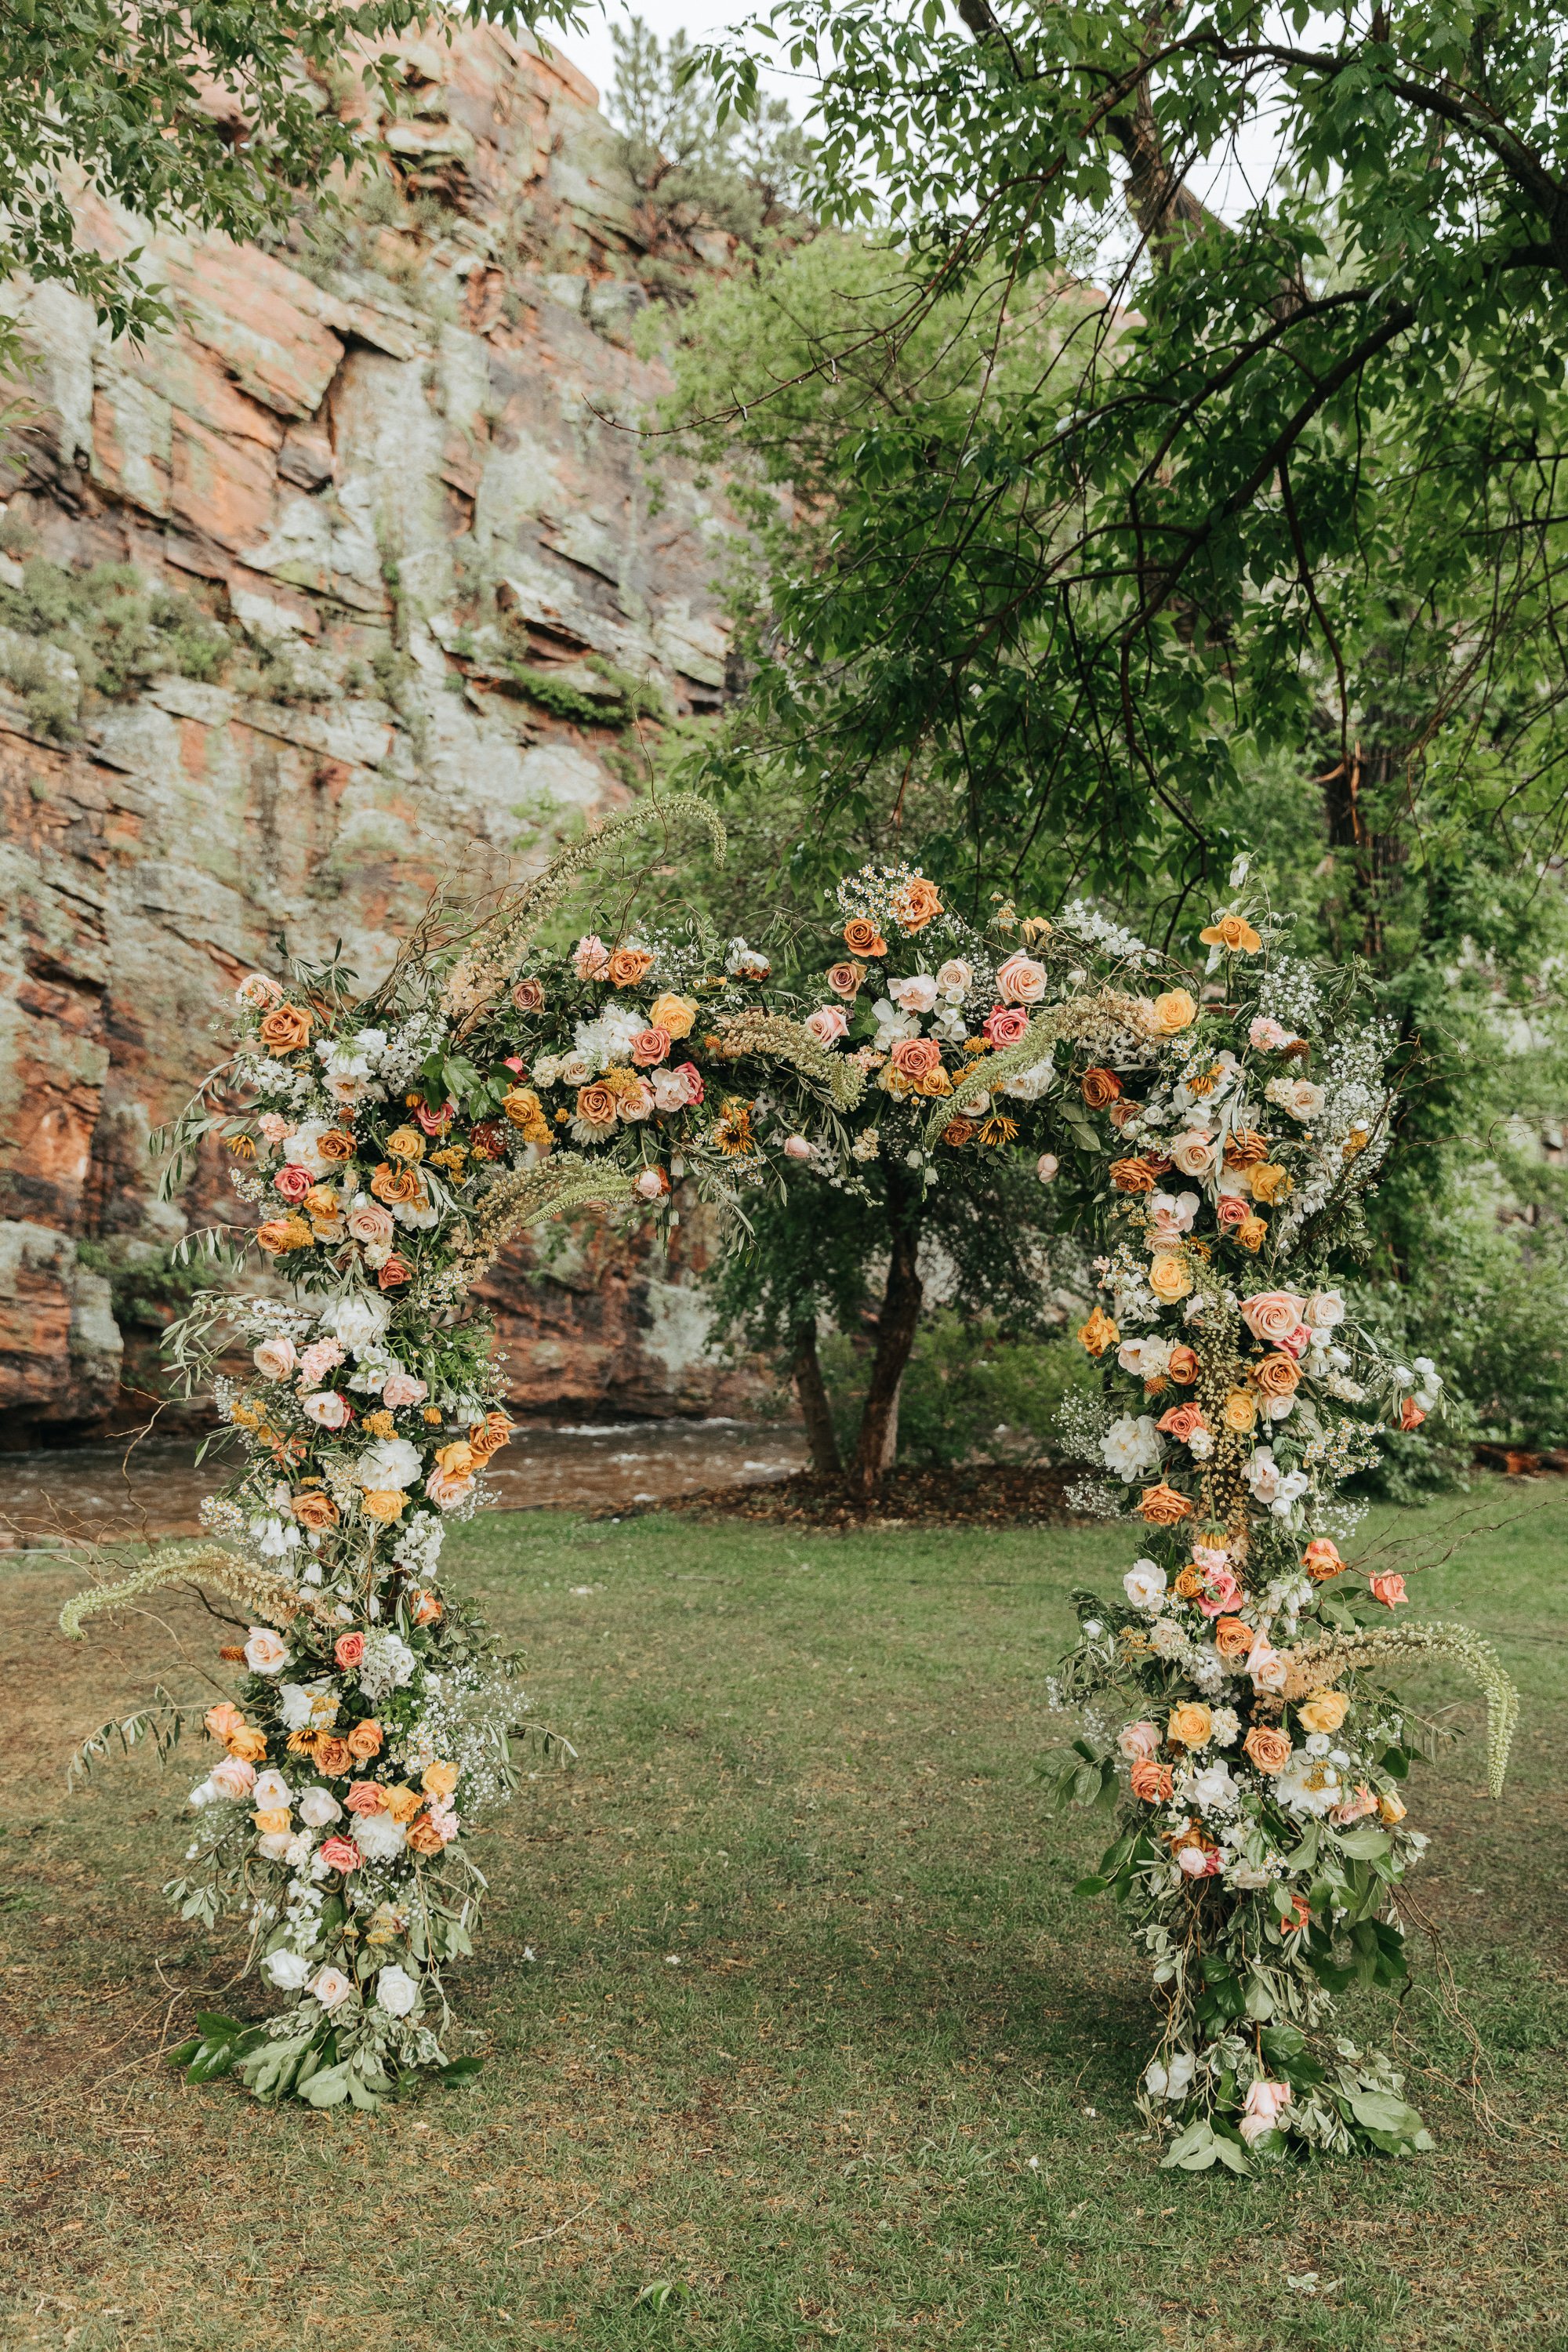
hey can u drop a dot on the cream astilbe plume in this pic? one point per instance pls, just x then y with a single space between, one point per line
271 1598
773 1038
1311 1666
494 953
1103 1020
555 1187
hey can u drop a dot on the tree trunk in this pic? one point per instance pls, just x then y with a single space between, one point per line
877 1442
808 1388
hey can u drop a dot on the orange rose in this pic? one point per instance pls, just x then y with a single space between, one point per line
1252 1233
364 1740
1238 1413
439 1780
285 1029
959 1131
1322 1559
397 1185
1132 1175
1245 1148
1100 1088
487 1436
1183 1365
403 1802
1183 1420
1151 1782
382 1504
1233 1637
1410 1415
1277 1376
315 1510
224 1720
1189 1584
1270 1184
1269 1749
916 903
247 1744
1173 1011
424 1838
1163 1506
281 1234
1098 1333
1190 1725
628 965
1234 933
334 1756
336 1145
596 1104
863 939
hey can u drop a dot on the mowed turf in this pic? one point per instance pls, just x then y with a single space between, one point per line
795 2033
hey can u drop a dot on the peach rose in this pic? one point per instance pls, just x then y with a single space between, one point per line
348 1650
916 903
1325 1710
1190 1726
628 965
1163 1506
1389 1589
828 1023
439 1779
1184 1363
1272 1315
1021 981
1169 1278
400 1388
382 1504
1238 1413
673 1014
366 1796
233 1777
1270 1184
1277 1376
278 1235
1098 1333
333 1757
1234 933
340 1853
1232 1637
367 1221
365 1740
1193 1153
1173 1011
528 995
424 1838
314 1510
285 1029
844 979
395 1272
446 1487
1151 1784
1100 1088
1268 1749
224 1720
917 1057
1322 1559
1139 1742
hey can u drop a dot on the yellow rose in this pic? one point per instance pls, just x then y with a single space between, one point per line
1270 1184
1325 1710
402 1803
1391 1808
1190 1725
383 1503
273 1821
1175 1010
1234 933
405 1143
1169 1278
1239 1412
1252 1233
674 1015
1098 1333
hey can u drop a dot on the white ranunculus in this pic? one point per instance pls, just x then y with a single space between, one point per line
916 994
892 1025
319 1808
270 1789
331 1986
378 1837
391 1461
1145 1584
1130 1447
358 1320
396 1992
266 1653
288 1971
302 1147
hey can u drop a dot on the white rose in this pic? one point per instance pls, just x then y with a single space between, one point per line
301 1148
1323 1310
1145 1584
266 1653
396 1992
288 1971
203 1795
319 1808
270 1789
275 1845
953 980
378 1837
1193 1153
390 1462
330 1986
358 1320
917 994
275 1358
1047 1166
1173 2079
1212 1790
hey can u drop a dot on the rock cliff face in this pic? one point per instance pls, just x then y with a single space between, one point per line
343 583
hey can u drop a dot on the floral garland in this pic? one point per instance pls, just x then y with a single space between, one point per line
1234 1702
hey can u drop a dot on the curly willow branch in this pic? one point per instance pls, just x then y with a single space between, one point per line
1312 1665
493 956
771 1038
1097 1020
269 1597
530 1195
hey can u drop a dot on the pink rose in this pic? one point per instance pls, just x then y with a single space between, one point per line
274 1359
274 1128
1195 1863
591 957
1211 1558
369 1221
445 1487
828 1023
1267 1036
231 1776
650 1045
1021 981
1265 2103
1389 1589
1005 1025
1195 1154
1220 1593
1297 1342
340 1853
320 1358
348 1650
694 1086
436 1122
259 991
1272 1316
798 1147
1232 1210
402 1387
328 1409
1139 1742
515 1064
1354 1809
293 1182
652 1184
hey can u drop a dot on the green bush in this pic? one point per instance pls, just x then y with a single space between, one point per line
969 1393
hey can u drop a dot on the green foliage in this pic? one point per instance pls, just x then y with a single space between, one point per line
624 699
149 1288
969 1393
101 634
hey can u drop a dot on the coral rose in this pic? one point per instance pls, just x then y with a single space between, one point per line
1004 1025
1325 1710
628 965
1389 1589
1097 1334
1021 981
1232 1637
1163 1506
844 979
1190 1726
278 1235
1272 1315
348 1650
340 1853
1151 1784
917 1057
1175 1011
1184 1363
1100 1088
293 1182
1321 1558
395 1272
365 1740
864 940
650 1046
285 1029
916 903
315 1511
1268 1749
1234 933
366 1796
1181 1421
1277 1376
1169 1278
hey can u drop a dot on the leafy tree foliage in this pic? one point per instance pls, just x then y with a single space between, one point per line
743 174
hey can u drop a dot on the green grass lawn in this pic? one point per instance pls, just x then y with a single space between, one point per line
784 1998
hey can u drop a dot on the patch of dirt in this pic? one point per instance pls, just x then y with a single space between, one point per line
987 1494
